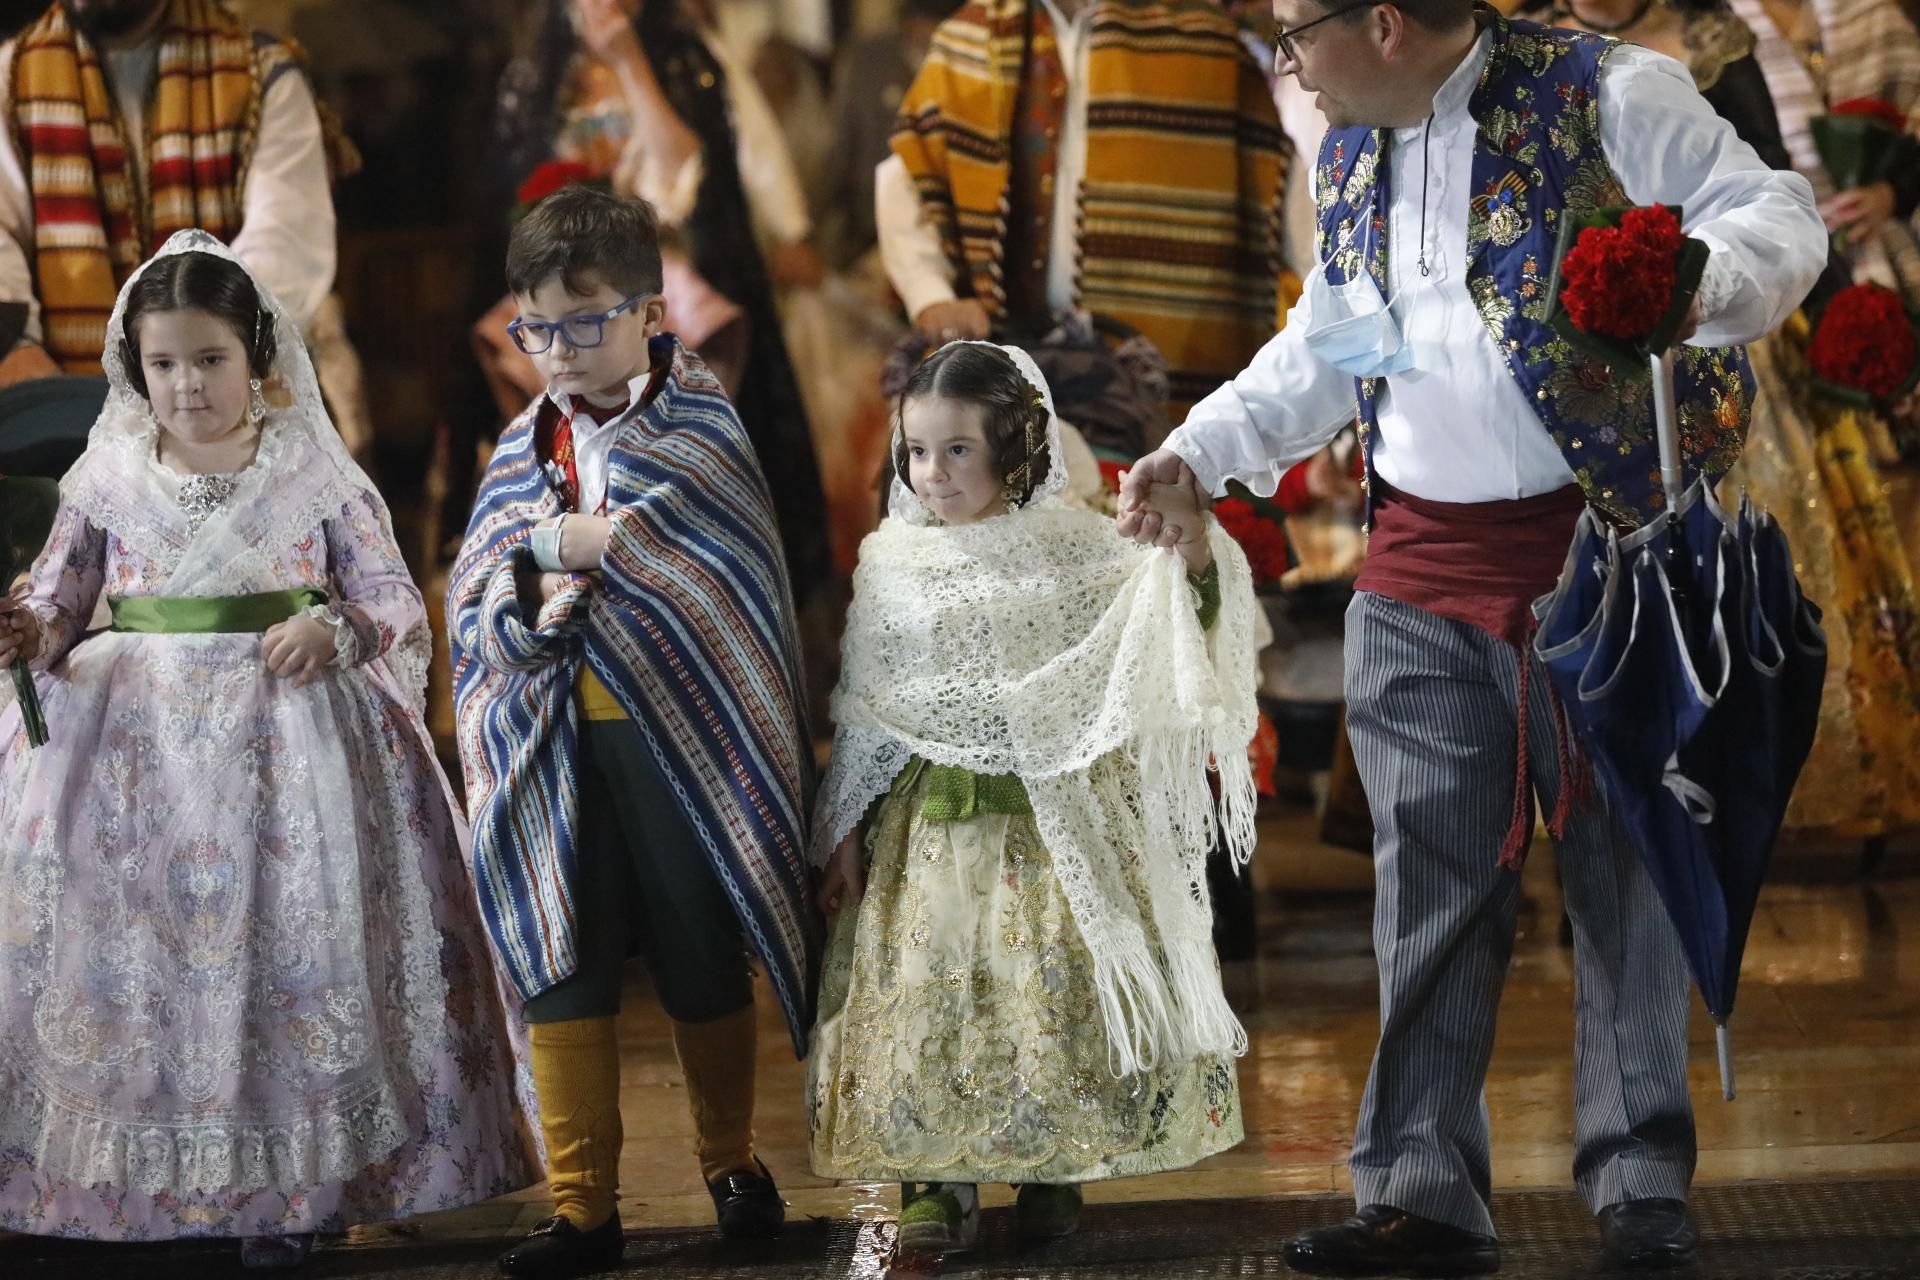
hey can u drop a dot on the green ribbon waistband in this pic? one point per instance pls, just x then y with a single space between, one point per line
955 794
163 615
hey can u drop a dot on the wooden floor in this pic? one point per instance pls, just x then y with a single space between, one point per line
1827 1038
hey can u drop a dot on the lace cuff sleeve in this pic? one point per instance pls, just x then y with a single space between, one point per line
346 641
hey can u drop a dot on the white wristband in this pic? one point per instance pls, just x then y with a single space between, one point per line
545 544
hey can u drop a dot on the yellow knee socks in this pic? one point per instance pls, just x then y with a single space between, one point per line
576 1072
717 1060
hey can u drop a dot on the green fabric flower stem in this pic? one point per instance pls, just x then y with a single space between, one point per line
31 716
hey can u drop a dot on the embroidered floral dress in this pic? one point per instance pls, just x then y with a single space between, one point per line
243 987
960 1038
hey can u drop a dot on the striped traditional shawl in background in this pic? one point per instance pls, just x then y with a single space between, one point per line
691 627
94 220
1179 208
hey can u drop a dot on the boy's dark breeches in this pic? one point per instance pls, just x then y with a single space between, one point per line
643 884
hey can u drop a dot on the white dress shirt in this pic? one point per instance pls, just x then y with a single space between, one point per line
1456 426
286 236
593 441
910 250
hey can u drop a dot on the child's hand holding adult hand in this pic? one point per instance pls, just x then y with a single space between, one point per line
19 631
297 649
846 879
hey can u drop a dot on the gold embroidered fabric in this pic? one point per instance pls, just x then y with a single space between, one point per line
1811 462
960 1036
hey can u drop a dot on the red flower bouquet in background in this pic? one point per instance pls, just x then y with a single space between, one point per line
1623 282
550 177
1863 349
1887 113
1862 141
1259 535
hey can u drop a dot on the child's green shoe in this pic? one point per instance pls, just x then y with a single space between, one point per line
939 1217
1047 1211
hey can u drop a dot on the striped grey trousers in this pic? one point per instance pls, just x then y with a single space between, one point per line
1431 706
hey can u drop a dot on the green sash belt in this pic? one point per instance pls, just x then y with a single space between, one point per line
955 794
167 615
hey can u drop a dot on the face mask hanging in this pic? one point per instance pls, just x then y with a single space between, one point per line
1353 326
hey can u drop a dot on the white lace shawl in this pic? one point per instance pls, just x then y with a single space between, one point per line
1042 644
301 476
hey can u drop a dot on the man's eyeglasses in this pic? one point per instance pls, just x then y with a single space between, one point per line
580 333
1285 38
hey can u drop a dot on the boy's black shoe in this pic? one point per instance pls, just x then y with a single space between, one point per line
1648 1234
1383 1241
748 1205
556 1250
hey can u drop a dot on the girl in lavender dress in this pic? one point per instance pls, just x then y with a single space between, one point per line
243 985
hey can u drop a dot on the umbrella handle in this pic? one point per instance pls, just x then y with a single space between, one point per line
1666 422
1723 1042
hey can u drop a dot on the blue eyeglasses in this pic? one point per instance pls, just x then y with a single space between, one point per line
580 333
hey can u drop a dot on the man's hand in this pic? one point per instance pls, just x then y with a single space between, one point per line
27 362
1154 482
951 321
1690 325
1861 211
19 631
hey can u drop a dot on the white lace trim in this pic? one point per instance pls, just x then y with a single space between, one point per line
70 1144
346 643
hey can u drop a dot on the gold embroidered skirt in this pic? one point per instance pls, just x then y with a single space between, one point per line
959 1036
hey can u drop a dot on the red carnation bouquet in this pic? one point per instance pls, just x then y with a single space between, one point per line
1863 349
1623 282
549 178
1862 141
1259 534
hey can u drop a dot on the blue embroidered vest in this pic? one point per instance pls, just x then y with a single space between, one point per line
1538 155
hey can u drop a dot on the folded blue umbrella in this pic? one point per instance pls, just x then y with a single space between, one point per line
1690 666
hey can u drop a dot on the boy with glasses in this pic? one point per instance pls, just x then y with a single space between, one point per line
630 727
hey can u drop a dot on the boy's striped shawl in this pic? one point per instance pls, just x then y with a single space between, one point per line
692 629
1179 206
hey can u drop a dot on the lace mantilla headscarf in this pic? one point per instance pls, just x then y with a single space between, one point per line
1042 644
301 475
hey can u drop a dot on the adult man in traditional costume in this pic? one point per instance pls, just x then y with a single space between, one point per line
129 120
1462 139
1120 157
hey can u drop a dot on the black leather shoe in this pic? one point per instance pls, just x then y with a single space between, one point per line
556 1249
1648 1234
748 1205
1381 1240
